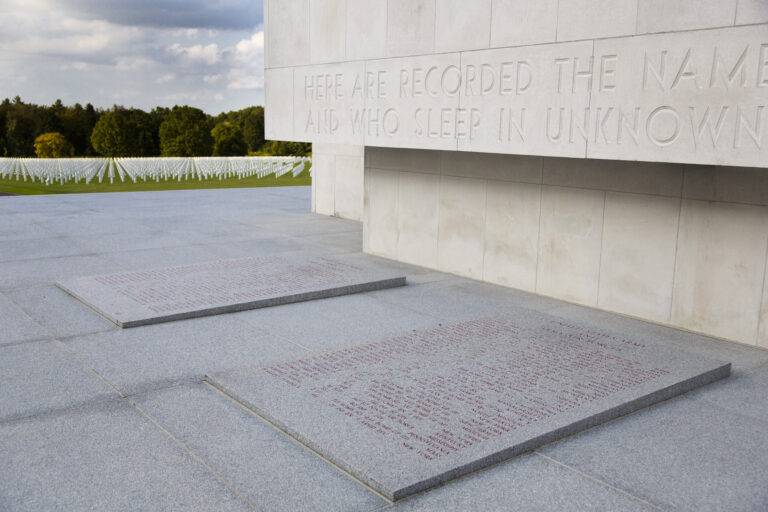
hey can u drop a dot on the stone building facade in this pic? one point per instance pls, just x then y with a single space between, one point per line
611 153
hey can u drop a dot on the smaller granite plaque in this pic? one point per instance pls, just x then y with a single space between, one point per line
132 299
408 413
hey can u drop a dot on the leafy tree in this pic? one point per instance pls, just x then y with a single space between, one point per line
4 108
90 117
185 132
252 124
228 140
143 131
158 115
20 132
111 135
283 148
76 125
53 145
46 119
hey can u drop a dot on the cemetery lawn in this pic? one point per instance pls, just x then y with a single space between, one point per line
29 188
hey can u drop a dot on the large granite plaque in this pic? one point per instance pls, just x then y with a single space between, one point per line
408 413
132 299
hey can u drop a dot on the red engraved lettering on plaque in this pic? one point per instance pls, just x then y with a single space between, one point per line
451 387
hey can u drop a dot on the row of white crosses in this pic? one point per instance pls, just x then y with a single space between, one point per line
63 170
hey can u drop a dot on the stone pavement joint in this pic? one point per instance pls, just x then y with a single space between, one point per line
68 350
195 456
293 439
601 482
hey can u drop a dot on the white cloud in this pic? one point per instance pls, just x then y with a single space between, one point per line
246 82
165 78
134 63
123 96
198 53
212 79
77 65
123 63
247 57
248 54
184 97
250 48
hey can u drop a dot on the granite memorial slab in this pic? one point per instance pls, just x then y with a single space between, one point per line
132 299
411 412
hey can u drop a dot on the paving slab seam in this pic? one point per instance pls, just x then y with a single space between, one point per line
36 238
16 260
409 308
728 409
192 245
69 350
27 286
196 457
388 506
44 339
274 334
176 384
60 410
121 251
169 231
296 441
601 482
110 328
169 384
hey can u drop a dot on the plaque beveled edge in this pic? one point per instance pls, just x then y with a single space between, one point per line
325 293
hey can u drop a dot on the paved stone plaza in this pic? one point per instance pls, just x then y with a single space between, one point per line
95 417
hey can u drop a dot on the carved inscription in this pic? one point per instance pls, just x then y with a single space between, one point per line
448 388
652 92
224 282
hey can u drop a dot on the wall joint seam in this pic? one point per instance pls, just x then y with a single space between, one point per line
762 298
674 263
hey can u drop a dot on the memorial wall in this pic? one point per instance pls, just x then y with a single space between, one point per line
698 97
612 153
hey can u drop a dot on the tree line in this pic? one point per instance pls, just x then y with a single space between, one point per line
56 131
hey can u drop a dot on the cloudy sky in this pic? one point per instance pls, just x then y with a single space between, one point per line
139 53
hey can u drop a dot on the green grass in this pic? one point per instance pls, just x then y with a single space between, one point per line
36 188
